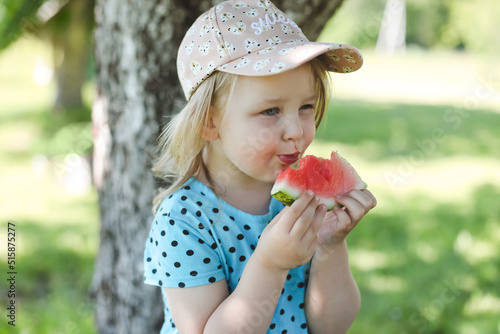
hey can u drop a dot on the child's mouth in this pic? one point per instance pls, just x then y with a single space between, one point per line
289 159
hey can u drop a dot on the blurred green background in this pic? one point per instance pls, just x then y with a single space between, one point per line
421 127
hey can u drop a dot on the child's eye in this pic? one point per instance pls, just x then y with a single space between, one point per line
271 111
307 106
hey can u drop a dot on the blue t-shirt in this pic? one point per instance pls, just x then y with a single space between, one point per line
196 238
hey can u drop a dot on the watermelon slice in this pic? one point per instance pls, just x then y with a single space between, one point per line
327 178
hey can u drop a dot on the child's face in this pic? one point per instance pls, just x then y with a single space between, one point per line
267 125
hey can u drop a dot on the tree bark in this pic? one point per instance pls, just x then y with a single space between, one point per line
137 88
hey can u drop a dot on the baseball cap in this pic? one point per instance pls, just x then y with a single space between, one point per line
252 38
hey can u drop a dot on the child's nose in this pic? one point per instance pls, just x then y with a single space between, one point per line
292 129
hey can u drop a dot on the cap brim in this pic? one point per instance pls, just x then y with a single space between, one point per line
340 58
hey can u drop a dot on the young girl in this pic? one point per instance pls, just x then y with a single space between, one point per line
228 257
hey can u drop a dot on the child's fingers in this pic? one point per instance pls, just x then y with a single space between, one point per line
357 204
319 217
368 202
343 217
278 217
296 209
369 194
305 220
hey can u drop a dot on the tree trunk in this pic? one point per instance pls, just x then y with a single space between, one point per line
392 36
137 87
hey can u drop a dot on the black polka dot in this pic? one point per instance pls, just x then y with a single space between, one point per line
242 258
160 283
163 233
167 274
282 311
154 271
292 318
148 259
273 326
290 298
215 210
232 218
172 222
211 279
225 228
213 246
252 247
240 237
151 240
185 232
246 227
199 203
201 226
201 241
189 253
288 277
177 264
301 305
164 254
232 250
174 243
206 260
184 211
193 273
201 192
303 326
284 331
183 198
198 213
181 285
230 269
301 285
187 187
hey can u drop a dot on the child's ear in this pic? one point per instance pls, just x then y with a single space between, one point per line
210 130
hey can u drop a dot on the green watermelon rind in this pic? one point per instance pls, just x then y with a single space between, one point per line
284 198
288 200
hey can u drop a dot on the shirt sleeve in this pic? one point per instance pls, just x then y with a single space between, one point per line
179 254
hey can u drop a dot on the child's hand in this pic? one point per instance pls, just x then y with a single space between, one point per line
340 221
290 239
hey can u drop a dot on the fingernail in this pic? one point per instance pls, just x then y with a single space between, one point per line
309 193
339 196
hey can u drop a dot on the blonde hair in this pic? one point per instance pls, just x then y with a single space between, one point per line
181 143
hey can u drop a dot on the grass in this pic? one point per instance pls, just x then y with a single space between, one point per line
426 259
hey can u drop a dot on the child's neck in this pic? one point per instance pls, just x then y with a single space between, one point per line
252 198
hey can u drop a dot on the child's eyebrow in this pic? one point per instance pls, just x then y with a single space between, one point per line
279 99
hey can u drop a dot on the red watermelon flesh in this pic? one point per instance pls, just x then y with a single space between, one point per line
327 178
